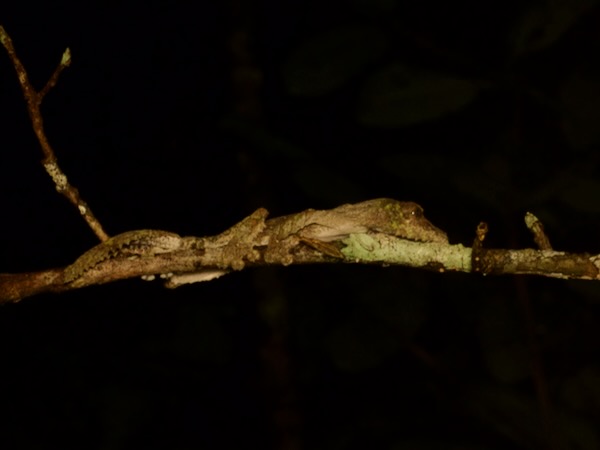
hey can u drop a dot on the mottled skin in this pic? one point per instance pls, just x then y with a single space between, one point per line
382 215
131 243
315 227
277 237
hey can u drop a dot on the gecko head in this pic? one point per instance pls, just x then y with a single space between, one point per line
407 221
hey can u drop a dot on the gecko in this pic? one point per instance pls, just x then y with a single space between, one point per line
129 244
276 237
232 247
402 219
382 215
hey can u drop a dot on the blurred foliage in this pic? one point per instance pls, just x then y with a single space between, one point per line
543 23
400 95
327 62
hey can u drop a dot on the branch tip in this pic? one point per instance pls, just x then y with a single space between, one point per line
537 229
33 99
66 58
3 35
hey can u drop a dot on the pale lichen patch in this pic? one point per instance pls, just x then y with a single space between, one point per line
59 178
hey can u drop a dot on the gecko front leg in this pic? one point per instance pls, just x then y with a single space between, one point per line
236 245
226 251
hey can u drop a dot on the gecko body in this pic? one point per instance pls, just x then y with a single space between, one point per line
404 220
136 243
275 238
382 215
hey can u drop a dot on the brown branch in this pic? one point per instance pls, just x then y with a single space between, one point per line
537 229
34 99
208 259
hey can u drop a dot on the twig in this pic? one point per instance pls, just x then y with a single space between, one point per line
34 99
537 229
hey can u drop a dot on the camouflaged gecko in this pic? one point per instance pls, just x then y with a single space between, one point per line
383 215
130 244
228 250
275 237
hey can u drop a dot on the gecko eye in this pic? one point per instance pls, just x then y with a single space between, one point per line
417 212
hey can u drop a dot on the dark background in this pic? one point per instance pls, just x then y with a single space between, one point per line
186 117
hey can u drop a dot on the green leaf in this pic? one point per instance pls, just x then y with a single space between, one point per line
400 95
327 61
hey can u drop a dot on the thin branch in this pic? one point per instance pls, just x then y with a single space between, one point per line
34 99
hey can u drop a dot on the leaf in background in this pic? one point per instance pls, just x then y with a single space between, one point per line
545 22
400 95
327 61
580 97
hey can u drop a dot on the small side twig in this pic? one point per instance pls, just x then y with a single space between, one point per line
34 99
537 229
